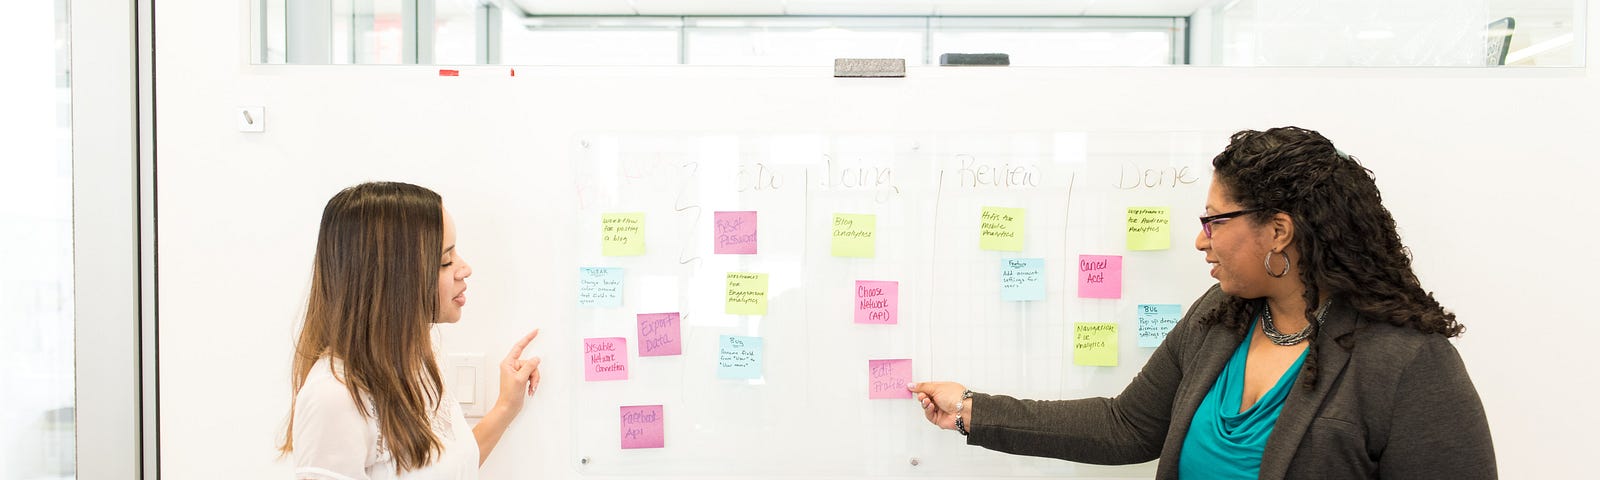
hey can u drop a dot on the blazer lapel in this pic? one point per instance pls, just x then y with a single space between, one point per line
1199 374
1302 405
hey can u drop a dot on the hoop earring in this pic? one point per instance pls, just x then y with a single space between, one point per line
1286 262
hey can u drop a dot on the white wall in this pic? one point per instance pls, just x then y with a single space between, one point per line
1488 172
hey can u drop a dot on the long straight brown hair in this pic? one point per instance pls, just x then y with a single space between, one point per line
374 295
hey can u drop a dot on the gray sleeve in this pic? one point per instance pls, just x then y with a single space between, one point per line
1438 428
1129 428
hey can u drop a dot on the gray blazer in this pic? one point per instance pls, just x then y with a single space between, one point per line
1398 405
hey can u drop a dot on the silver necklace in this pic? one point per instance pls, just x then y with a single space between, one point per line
1288 339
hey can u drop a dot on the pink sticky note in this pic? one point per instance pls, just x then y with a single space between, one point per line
659 334
1100 276
877 302
888 378
605 359
644 426
734 232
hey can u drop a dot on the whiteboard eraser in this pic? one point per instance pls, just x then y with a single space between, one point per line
975 59
869 67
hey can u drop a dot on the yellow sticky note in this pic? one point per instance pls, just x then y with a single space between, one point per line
1149 228
747 293
1094 344
1000 228
854 235
622 234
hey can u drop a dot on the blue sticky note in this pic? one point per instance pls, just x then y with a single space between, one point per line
1021 279
738 357
599 287
1155 321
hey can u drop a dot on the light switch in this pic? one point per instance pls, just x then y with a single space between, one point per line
464 378
251 119
466 384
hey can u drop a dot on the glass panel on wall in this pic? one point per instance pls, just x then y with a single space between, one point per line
802 40
1064 41
1454 33
1451 33
36 350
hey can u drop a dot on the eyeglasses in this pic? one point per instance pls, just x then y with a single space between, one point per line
1205 222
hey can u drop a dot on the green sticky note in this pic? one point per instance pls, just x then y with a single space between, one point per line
747 293
854 235
1149 228
1000 228
622 234
1094 344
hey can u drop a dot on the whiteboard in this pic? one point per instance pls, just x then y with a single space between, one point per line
927 192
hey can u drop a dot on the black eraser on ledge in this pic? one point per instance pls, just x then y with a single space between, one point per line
975 59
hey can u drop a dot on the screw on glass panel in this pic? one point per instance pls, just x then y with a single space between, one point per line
915 461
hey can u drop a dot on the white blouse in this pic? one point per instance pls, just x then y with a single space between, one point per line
334 441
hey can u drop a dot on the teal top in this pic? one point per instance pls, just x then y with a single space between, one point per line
1224 443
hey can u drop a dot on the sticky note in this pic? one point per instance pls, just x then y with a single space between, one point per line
734 233
877 302
644 426
599 287
738 357
1021 279
853 235
622 234
1100 276
660 334
1000 228
1094 344
747 293
605 359
888 378
1155 321
1149 228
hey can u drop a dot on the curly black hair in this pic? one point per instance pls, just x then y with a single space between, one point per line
1347 240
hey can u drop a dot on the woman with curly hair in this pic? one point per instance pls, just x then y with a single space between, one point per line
1316 355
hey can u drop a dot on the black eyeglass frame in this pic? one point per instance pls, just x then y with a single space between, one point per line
1205 222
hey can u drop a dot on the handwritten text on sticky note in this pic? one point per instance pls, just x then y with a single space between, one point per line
644 426
854 235
605 359
599 287
888 378
877 302
747 293
734 233
1155 321
1021 279
1149 228
622 234
1000 228
738 357
1100 276
1094 344
659 334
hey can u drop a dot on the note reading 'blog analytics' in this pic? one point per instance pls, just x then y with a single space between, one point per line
854 235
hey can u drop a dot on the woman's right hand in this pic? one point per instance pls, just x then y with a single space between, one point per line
941 401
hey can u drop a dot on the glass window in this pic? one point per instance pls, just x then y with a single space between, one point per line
802 40
36 351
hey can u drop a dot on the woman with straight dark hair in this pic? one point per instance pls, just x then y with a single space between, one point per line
1318 354
369 402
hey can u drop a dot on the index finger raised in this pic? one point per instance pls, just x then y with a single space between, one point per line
516 350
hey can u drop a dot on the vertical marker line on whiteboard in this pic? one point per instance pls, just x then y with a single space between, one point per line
805 254
933 265
1066 254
